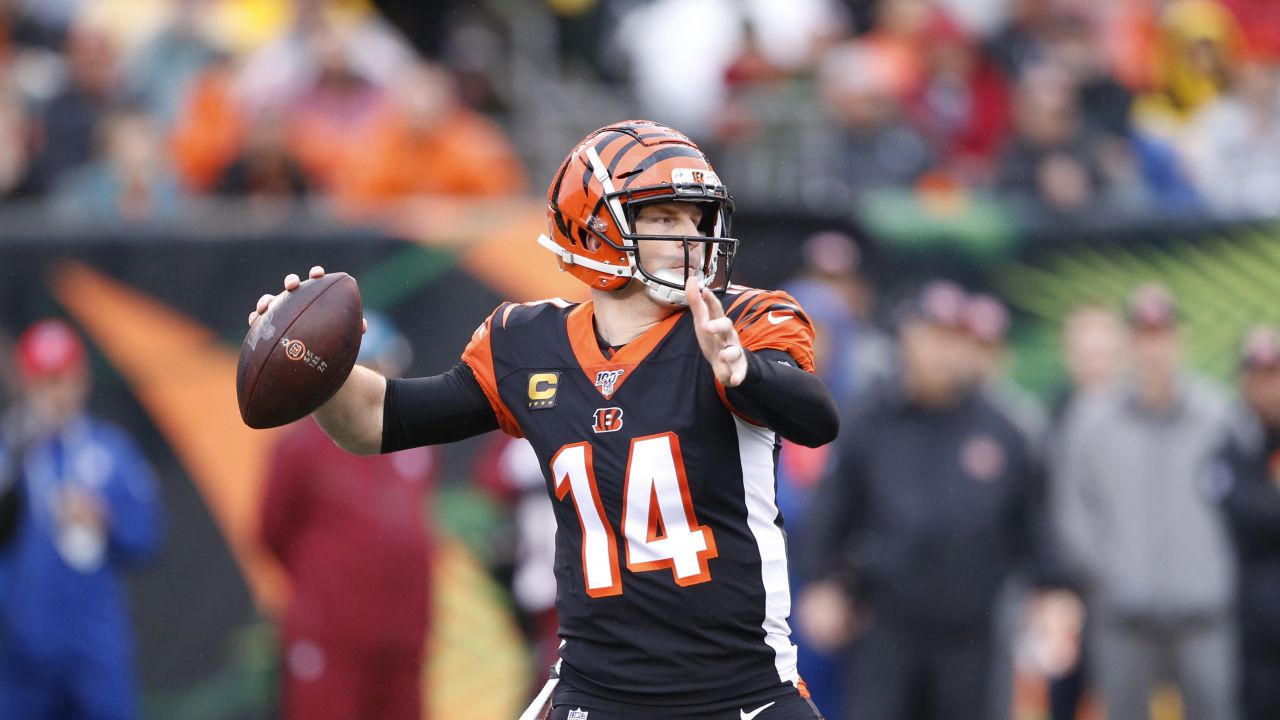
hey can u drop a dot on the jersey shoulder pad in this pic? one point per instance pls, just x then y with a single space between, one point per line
771 319
513 315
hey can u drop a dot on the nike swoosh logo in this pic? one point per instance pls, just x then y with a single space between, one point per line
780 318
751 715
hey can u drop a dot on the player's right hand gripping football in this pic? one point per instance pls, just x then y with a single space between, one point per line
291 283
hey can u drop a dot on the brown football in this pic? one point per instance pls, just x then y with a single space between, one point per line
297 355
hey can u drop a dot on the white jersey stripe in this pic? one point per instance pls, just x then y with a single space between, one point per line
755 447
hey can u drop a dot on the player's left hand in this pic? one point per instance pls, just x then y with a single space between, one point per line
716 336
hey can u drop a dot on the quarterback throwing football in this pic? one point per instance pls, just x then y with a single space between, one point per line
656 409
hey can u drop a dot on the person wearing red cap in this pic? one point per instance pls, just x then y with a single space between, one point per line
1248 475
89 510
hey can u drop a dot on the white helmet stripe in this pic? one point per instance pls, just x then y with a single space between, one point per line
602 175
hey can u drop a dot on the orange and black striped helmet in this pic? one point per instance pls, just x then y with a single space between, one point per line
592 202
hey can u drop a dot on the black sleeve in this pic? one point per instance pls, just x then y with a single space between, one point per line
1252 500
838 514
791 402
433 410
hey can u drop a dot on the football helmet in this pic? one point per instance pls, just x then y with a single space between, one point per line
593 201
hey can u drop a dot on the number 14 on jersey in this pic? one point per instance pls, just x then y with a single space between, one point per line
658 522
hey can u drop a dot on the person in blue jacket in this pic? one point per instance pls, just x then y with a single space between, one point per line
88 509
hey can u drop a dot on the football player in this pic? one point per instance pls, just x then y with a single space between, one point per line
656 409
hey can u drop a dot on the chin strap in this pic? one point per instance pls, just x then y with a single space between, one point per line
569 258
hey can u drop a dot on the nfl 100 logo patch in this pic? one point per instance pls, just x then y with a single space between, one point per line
578 714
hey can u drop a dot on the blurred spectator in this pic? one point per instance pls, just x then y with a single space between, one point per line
871 147
208 129
962 101
833 288
696 40
72 117
1142 171
89 511
265 170
328 115
18 138
1199 45
690 39
1250 465
158 75
347 528
582 31
56 15
1234 145
1074 47
930 506
977 17
1022 40
1094 353
324 38
1138 527
1049 167
424 142
131 180
510 472
19 30
901 30
987 321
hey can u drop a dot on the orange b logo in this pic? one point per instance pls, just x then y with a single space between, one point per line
295 350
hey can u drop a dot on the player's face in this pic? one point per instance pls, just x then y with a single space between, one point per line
677 219
934 360
1156 353
52 401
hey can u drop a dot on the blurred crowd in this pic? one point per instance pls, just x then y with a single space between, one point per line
1063 111
1066 111
123 110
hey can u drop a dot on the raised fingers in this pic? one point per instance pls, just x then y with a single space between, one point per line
721 327
316 271
291 281
713 306
696 304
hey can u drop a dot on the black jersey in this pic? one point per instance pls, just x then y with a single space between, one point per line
670 554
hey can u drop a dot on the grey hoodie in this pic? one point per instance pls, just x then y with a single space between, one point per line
1136 511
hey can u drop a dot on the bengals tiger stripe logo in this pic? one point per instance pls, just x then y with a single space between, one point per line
608 420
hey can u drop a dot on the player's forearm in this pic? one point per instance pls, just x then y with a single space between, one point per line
793 403
353 417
